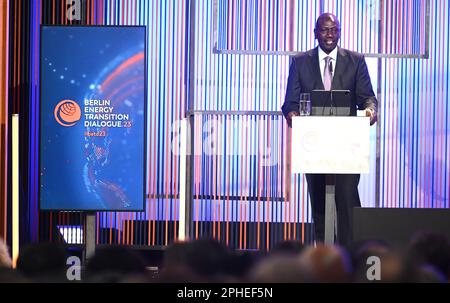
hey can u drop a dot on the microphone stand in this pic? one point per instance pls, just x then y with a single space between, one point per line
332 103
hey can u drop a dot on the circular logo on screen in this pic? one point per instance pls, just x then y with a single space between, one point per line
67 113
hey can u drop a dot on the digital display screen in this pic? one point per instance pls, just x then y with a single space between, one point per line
92 118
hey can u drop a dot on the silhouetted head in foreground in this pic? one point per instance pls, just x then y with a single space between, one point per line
431 248
45 262
112 264
326 263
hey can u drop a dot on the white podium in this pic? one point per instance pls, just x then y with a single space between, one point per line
330 145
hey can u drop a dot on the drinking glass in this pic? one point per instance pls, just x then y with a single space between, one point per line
305 104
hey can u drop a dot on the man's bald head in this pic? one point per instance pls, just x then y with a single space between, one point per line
327 17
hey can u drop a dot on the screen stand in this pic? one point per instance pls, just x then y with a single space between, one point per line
89 249
330 208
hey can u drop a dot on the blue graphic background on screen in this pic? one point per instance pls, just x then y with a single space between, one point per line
92 172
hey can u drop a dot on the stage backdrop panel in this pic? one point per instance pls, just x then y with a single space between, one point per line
92 139
185 72
376 28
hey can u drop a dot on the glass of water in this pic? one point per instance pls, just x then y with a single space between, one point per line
305 104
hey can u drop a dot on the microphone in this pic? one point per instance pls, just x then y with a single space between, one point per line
330 69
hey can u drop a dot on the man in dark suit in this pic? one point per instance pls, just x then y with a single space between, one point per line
331 67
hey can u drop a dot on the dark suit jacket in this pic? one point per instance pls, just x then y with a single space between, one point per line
350 73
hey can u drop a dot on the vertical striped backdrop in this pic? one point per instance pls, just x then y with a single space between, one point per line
229 56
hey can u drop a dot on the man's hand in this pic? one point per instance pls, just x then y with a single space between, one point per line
371 113
290 115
